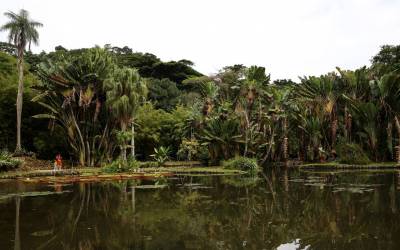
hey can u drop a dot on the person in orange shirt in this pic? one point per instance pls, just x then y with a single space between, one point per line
58 162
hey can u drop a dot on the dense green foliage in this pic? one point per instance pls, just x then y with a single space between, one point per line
237 112
164 93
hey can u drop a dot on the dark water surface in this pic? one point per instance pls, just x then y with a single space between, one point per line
278 210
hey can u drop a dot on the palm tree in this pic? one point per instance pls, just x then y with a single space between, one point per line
255 81
321 96
354 85
72 93
21 32
389 96
366 115
125 90
221 136
209 93
312 127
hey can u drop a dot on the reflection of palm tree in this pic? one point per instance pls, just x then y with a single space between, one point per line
398 180
133 201
17 242
286 180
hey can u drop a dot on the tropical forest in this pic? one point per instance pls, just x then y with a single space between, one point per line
107 147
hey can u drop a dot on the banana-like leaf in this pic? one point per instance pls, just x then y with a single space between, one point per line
40 96
48 107
44 116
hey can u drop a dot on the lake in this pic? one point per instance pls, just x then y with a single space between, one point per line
277 209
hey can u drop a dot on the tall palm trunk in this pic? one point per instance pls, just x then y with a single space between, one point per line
397 124
303 146
285 140
347 125
133 140
247 130
123 147
20 52
389 132
334 127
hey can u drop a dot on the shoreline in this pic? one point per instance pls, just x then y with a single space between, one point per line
84 173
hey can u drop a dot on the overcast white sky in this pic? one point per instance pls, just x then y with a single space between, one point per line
289 37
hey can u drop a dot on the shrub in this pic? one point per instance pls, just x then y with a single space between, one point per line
161 155
188 149
7 162
242 163
350 153
203 155
118 166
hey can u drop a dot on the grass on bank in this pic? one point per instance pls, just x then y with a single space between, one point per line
116 171
196 170
335 164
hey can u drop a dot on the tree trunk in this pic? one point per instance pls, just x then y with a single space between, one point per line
82 152
247 128
348 124
389 132
303 147
285 140
123 146
271 142
20 94
397 124
133 141
334 127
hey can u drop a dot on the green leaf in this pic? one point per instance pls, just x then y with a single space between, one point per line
48 107
44 116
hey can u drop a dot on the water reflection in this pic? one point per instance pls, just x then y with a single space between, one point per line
275 210
17 241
